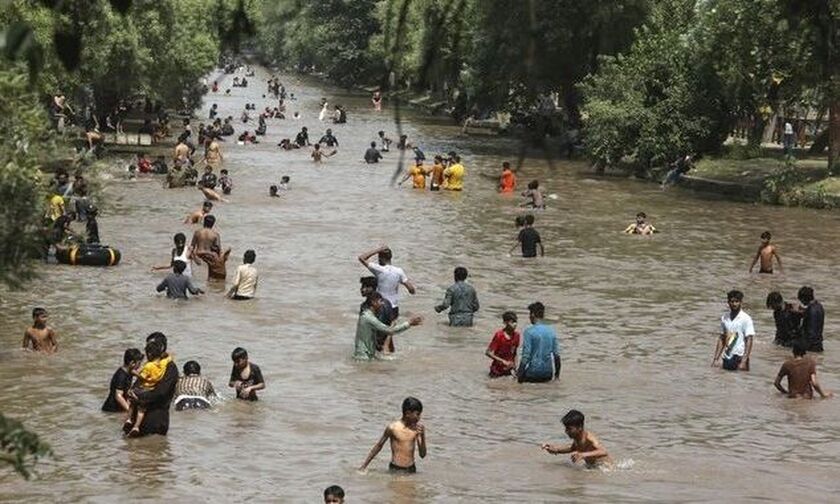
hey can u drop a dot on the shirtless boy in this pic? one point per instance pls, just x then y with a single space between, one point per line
198 215
40 337
216 263
205 239
801 372
585 446
641 226
404 434
766 252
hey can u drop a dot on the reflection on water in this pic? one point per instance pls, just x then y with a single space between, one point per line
637 318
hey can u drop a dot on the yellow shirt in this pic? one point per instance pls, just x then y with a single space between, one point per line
455 177
56 207
153 371
418 177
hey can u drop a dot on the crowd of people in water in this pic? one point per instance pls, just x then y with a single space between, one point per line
147 382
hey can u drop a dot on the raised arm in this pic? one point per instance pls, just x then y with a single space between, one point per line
376 448
364 258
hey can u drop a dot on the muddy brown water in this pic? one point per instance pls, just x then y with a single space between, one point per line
637 319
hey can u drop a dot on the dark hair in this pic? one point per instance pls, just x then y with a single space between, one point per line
642 215
573 418
800 347
209 220
272 189
373 144
774 299
238 353
192 368
509 316
369 281
412 404
766 235
36 312
529 219
208 203
371 298
537 309
158 337
519 221
735 294
334 491
805 295
180 237
179 266
533 184
460 273
132 355
386 254
250 257
153 350
505 165
224 171
284 178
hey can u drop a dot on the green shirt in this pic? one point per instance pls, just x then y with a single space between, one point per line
366 330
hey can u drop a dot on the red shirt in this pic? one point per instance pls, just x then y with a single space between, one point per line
505 348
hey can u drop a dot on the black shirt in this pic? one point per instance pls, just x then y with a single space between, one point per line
254 378
529 237
120 381
787 325
372 155
302 139
209 180
329 140
812 326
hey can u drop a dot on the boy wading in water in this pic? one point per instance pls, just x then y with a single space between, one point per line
766 252
585 446
736 336
801 372
404 434
502 349
40 337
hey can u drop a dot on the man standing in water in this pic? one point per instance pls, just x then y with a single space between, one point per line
385 313
540 349
40 337
461 300
206 239
813 319
369 326
736 335
388 277
213 157
801 372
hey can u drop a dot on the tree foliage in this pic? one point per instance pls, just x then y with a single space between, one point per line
19 447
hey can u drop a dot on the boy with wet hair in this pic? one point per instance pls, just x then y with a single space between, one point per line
585 446
640 227
766 252
787 319
528 239
40 337
736 336
404 434
535 193
801 372
117 400
245 377
503 346
334 495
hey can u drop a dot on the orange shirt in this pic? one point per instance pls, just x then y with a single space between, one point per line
418 177
507 181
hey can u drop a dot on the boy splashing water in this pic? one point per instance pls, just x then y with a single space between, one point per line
585 446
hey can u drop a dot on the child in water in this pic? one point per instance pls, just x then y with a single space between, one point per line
284 183
766 252
502 349
640 227
334 495
40 337
147 378
585 446
507 181
272 192
535 193
404 434
226 182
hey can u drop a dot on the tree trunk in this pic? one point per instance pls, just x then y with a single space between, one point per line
834 136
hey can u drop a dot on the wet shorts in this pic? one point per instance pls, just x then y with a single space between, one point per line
732 363
393 468
191 402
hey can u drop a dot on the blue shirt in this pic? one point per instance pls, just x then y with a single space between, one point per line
538 350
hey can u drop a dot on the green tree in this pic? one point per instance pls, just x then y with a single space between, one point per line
19 447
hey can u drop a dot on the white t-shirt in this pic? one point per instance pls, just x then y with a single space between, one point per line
388 278
736 332
788 128
246 279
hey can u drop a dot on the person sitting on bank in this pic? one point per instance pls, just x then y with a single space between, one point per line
640 227
801 372
461 299
246 278
540 357
193 391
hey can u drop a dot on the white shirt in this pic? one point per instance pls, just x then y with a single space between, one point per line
245 280
388 278
184 257
736 332
788 128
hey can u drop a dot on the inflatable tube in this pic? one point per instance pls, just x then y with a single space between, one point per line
88 255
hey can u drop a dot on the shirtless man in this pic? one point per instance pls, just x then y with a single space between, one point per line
585 446
182 152
216 263
640 227
318 155
404 434
213 157
212 195
40 337
801 372
198 215
205 239
766 252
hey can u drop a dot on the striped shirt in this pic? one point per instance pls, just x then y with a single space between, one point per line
194 385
